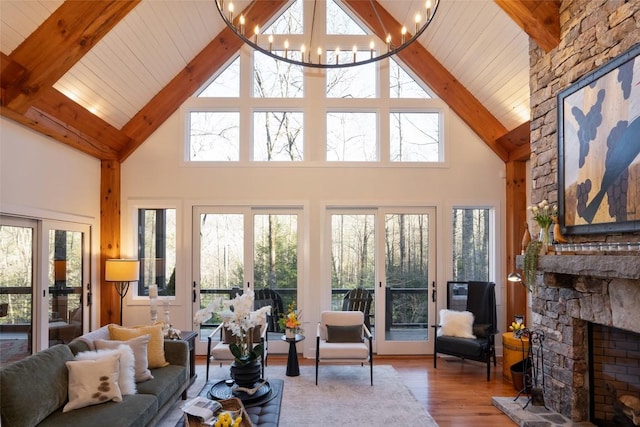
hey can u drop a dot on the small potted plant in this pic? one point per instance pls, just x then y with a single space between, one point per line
290 321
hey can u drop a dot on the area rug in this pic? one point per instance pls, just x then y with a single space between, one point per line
343 397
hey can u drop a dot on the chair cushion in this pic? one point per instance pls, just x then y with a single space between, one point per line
456 324
221 352
475 349
344 333
351 351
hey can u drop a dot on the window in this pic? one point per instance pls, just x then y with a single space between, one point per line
214 136
471 244
157 250
351 137
279 112
277 136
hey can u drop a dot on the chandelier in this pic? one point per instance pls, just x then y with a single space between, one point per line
301 49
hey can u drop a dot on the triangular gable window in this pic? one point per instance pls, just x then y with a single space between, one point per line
226 85
338 22
402 85
289 22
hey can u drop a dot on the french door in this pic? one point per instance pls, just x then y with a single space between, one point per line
239 248
45 275
391 253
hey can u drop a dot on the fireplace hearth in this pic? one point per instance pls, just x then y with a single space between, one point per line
572 294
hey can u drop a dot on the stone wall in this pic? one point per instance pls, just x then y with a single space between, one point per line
592 33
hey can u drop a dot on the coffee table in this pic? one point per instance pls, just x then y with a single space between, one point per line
264 411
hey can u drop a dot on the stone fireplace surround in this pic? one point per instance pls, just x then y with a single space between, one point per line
570 292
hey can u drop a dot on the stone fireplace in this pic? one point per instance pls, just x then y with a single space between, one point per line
573 292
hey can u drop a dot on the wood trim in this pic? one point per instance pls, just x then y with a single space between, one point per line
516 215
58 43
439 79
192 77
539 19
110 193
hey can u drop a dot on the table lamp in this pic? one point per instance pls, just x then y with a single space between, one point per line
121 272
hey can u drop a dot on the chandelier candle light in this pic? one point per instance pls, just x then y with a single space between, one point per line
420 13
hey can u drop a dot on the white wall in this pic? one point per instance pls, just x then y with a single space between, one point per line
44 179
155 172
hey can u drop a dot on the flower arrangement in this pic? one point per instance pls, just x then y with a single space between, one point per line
240 317
543 213
291 319
517 328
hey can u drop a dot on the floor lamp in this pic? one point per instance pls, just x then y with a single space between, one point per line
121 272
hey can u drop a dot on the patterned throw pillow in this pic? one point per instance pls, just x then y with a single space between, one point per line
126 377
92 382
155 349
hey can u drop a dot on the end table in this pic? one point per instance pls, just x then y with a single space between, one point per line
293 368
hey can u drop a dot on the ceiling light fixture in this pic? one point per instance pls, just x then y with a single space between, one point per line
310 54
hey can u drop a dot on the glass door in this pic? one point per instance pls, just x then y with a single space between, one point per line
387 253
17 260
67 278
243 247
405 308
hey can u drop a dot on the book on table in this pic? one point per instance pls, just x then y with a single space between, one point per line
203 409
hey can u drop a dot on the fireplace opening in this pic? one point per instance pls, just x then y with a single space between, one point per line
614 376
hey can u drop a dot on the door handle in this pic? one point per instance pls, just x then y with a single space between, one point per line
433 292
193 296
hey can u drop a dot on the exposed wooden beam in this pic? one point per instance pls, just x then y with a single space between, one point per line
193 76
439 79
516 215
109 237
101 134
539 19
11 73
518 142
53 127
56 45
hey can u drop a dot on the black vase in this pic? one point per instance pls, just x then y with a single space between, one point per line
246 375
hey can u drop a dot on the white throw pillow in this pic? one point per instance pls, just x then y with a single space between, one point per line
126 367
456 324
139 346
92 382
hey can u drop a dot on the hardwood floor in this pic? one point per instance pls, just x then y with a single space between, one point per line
456 394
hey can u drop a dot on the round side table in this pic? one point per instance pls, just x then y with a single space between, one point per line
293 368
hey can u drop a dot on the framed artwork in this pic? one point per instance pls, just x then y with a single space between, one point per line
599 149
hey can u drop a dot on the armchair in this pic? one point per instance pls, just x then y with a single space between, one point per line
477 341
221 353
342 337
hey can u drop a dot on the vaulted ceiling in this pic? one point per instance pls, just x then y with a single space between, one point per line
101 76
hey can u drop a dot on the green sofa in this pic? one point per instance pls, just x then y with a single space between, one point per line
33 391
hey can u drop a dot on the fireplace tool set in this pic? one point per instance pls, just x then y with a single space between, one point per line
532 367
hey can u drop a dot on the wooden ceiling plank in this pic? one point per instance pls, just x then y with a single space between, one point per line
437 77
539 19
57 105
56 45
192 77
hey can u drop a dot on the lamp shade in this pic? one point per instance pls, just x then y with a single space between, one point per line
122 270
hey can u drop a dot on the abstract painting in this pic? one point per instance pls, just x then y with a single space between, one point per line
599 149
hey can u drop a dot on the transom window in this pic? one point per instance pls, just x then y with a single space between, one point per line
261 110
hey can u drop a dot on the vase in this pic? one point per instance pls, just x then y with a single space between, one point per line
544 238
526 237
290 333
245 375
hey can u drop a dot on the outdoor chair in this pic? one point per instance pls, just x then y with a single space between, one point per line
342 337
221 353
470 334
359 299
264 297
